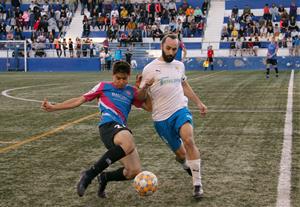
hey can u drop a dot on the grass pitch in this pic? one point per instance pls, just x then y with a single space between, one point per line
240 141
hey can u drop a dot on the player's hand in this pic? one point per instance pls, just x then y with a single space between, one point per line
138 80
149 83
203 109
47 106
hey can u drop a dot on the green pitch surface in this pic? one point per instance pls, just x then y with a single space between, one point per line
240 139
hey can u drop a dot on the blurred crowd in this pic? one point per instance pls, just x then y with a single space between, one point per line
245 31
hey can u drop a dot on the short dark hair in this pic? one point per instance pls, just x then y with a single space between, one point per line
172 36
121 67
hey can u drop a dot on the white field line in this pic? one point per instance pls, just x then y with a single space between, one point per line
6 92
8 142
284 180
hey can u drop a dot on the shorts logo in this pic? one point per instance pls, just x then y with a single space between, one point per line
118 126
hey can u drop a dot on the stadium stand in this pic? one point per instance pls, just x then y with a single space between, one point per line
253 23
54 28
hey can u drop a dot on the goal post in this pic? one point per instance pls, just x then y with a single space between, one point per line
14 53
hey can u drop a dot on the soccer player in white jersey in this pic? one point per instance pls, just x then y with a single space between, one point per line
172 119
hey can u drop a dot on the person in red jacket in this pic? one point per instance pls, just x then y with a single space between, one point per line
210 55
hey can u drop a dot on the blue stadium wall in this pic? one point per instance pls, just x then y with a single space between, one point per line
93 65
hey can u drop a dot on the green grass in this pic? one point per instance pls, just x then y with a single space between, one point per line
240 141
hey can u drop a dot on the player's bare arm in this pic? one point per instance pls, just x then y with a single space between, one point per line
68 104
188 92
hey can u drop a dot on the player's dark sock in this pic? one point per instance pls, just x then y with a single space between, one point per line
116 175
276 70
112 155
268 73
105 177
211 67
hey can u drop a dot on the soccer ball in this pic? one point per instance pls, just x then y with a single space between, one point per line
145 183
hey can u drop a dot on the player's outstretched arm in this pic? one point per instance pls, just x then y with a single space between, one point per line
188 92
68 104
143 91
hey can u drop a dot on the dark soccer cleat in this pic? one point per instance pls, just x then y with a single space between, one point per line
102 185
83 183
198 192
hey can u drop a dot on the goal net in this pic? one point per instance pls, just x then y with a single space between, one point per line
13 55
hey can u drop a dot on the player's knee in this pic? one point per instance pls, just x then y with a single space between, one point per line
189 142
128 148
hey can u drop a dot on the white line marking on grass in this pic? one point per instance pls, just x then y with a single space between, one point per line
284 180
5 93
8 142
240 111
45 134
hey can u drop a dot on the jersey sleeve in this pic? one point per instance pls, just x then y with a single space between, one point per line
183 76
95 92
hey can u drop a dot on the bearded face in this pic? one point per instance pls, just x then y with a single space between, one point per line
168 57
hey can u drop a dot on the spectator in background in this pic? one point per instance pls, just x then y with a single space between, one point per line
256 45
86 29
105 44
281 9
247 10
123 39
232 49
204 7
274 12
118 54
128 55
57 45
102 56
210 57
234 12
238 46
71 48
289 43
65 46
25 17
84 47
108 59
78 47
198 14
172 8
293 10
157 33
91 47
224 33
267 15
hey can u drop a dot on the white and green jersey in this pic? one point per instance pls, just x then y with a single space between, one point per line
166 92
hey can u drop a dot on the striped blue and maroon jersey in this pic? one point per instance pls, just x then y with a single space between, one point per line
114 103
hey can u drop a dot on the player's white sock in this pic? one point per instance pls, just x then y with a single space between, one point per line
196 171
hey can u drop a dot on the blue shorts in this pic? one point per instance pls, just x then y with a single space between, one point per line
168 129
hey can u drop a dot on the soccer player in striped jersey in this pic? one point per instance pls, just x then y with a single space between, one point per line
114 101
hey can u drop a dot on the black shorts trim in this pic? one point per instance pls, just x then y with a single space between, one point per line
272 61
108 131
